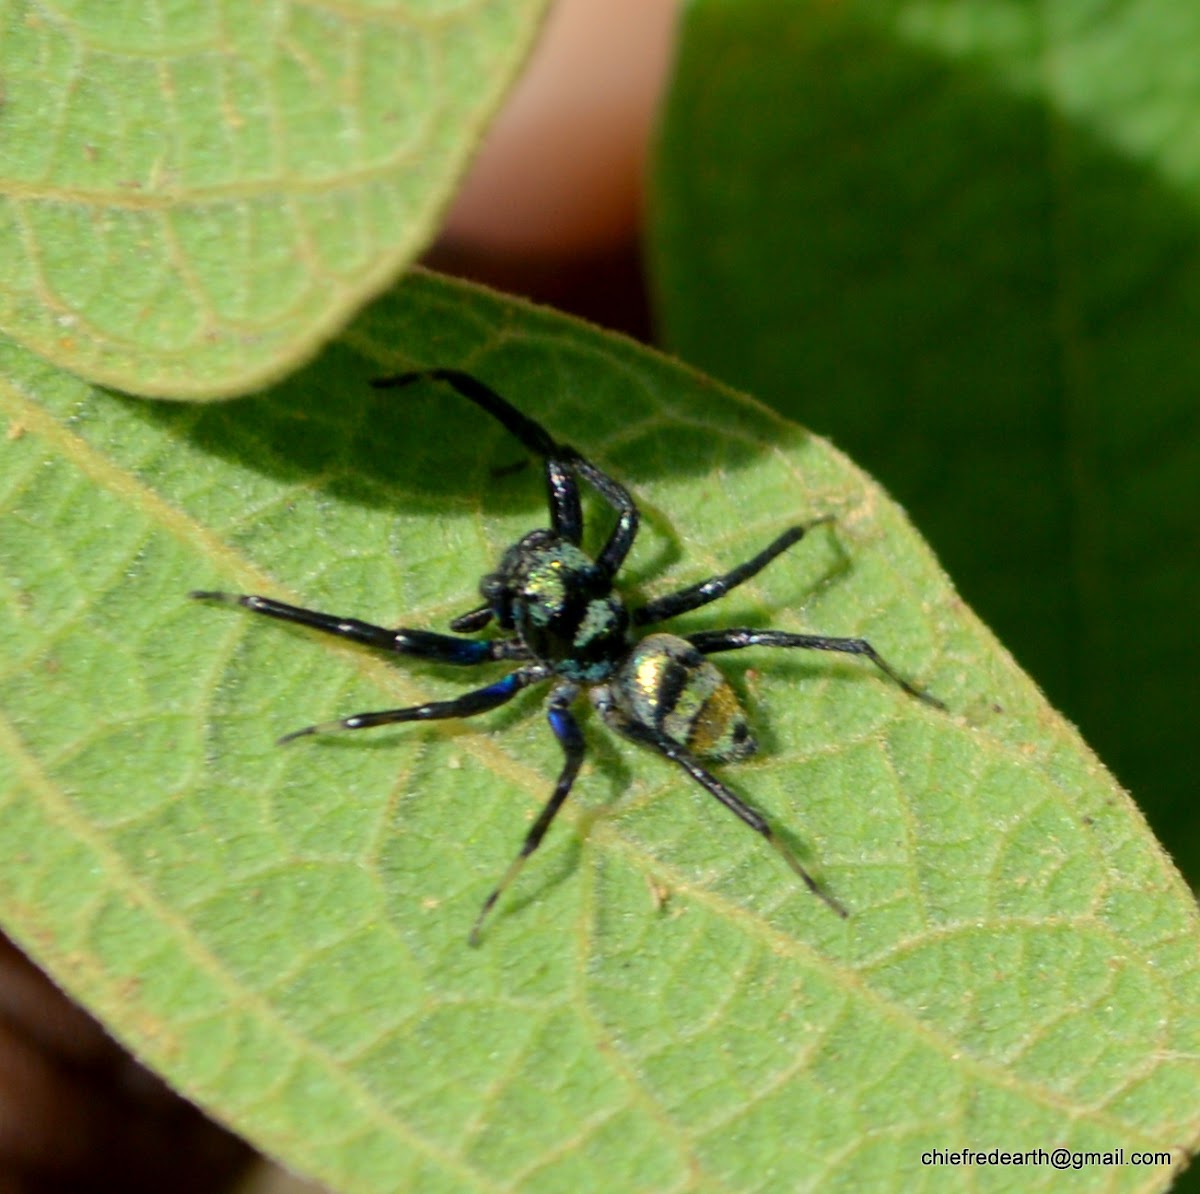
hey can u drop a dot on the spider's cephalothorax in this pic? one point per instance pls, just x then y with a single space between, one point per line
561 605
564 622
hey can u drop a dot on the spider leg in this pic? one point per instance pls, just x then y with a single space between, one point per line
694 596
708 642
658 741
566 514
473 619
563 465
443 648
566 730
478 700
612 554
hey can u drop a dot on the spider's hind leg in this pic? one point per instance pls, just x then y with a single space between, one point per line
748 816
566 730
666 746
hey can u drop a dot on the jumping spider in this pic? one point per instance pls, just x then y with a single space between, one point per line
565 623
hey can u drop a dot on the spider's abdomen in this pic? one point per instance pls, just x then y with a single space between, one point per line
664 682
562 607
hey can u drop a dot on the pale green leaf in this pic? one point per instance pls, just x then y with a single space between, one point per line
658 1004
195 196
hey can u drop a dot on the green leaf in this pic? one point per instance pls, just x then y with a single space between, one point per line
963 241
658 1004
195 196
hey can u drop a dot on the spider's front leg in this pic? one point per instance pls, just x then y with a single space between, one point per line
566 513
563 465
